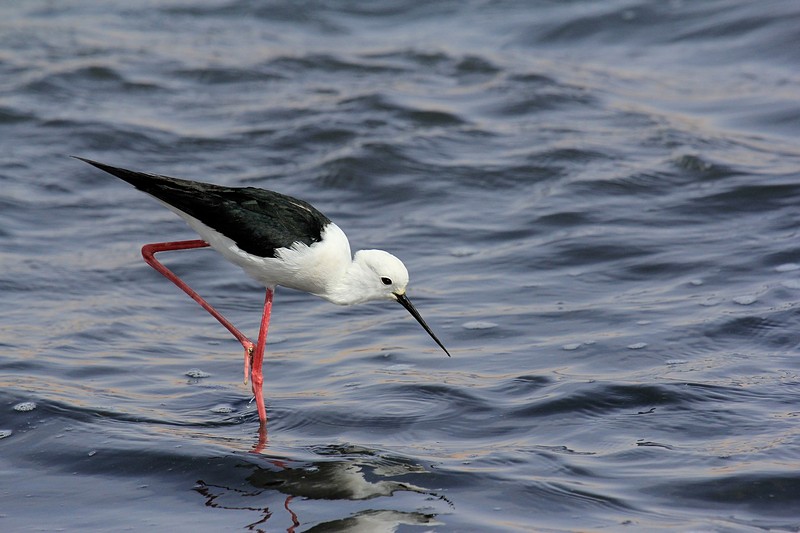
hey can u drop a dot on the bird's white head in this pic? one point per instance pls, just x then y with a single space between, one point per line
381 276
376 275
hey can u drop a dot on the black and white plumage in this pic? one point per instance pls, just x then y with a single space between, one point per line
276 239
257 220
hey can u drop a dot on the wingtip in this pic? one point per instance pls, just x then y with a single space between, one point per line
85 160
114 171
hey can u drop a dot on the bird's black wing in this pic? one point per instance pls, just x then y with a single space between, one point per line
257 220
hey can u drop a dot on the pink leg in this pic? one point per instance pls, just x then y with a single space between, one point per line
149 251
258 358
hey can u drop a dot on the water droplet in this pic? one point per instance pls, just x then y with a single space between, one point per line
92 453
5 433
745 300
222 408
197 373
573 346
637 345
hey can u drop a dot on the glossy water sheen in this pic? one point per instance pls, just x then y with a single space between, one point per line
598 203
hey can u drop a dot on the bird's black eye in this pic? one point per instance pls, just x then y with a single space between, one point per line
386 281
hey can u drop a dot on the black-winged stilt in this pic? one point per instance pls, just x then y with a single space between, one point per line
276 239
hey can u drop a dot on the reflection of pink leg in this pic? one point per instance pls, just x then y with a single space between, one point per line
258 358
261 445
149 251
295 521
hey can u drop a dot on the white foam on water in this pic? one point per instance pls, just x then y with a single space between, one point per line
23 407
479 324
746 299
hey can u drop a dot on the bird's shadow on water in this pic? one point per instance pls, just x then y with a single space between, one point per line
330 488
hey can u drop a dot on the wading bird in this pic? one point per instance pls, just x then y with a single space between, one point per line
277 240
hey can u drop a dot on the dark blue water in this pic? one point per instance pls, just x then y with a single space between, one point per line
598 203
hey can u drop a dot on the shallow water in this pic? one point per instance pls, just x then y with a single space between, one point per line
597 205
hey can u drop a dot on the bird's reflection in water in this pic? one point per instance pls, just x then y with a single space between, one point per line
343 491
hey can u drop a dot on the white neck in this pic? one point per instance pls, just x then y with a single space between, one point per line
351 288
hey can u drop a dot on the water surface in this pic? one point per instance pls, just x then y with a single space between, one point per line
597 202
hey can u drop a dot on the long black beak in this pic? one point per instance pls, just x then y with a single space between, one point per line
405 302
